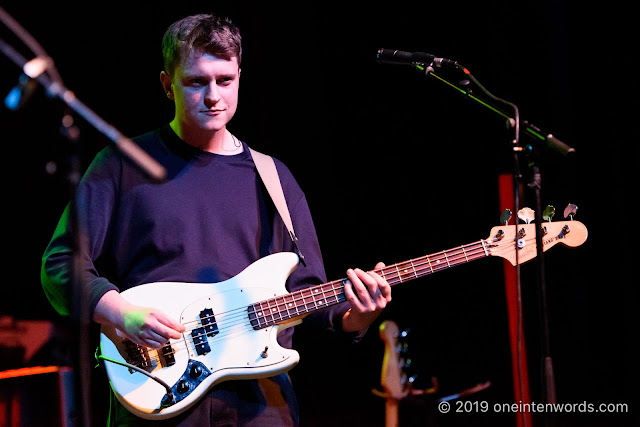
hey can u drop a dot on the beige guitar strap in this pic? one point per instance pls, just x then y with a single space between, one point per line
269 175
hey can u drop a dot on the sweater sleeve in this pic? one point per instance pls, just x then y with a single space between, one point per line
94 204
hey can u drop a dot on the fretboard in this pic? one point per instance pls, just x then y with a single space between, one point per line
300 303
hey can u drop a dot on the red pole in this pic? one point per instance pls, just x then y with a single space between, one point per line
519 368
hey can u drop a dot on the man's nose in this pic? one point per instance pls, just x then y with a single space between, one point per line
212 95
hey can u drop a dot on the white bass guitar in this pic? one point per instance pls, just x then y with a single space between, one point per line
231 326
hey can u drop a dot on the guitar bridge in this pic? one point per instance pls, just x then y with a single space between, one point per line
137 356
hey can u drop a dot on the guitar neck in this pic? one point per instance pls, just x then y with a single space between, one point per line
298 304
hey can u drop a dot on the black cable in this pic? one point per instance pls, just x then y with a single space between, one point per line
137 369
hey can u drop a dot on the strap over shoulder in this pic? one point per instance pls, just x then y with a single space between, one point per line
269 174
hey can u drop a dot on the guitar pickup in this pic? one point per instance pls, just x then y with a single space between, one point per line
208 321
200 341
168 358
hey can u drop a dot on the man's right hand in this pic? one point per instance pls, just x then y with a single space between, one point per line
144 326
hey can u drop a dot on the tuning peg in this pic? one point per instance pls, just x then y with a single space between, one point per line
570 211
403 348
527 215
505 216
548 213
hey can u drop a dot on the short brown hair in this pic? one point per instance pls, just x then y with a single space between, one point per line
211 34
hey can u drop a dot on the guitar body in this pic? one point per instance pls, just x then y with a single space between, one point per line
230 349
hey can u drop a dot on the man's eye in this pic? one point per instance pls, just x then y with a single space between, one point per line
224 81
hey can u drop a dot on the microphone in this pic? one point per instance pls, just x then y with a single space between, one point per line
390 56
21 93
27 84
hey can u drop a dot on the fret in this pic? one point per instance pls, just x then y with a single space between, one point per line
260 314
340 297
415 273
263 314
484 247
260 317
302 303
302 307
406 268
429 262
446 258
309 303
271 310
329 294
290 306
280 303
295 304
313 298
464 253
266 312
399 275
438 266
315 293
387 273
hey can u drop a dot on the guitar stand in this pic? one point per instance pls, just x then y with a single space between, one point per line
409 391
466 392
392 402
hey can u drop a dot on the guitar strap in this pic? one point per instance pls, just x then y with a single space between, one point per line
269 175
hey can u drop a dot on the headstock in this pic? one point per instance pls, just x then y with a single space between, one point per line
394 376
506 239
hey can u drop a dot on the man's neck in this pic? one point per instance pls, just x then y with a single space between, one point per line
218 142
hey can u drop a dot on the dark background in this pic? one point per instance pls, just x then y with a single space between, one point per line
395 166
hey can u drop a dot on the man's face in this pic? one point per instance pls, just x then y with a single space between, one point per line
205 91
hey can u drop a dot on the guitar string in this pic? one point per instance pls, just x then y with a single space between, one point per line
294 298
452 256
411 269
291 297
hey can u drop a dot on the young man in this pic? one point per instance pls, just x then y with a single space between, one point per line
208 221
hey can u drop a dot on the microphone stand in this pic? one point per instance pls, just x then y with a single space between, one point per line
536 184
41 69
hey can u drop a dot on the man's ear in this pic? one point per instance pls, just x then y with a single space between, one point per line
165 80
